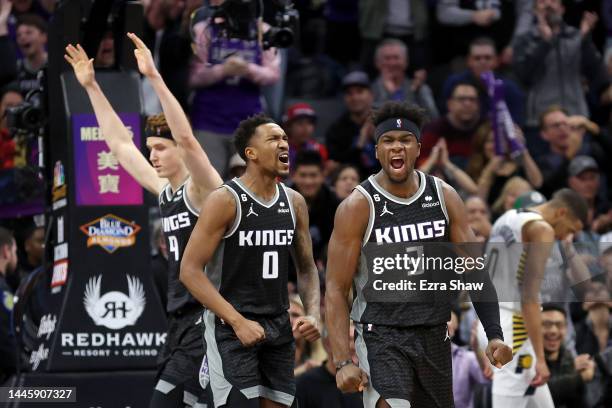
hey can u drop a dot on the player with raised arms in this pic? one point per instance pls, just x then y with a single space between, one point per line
181 175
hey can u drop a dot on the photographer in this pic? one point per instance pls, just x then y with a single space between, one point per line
228 74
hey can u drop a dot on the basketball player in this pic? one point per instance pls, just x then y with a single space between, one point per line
247 231
181 175
403 348
520 246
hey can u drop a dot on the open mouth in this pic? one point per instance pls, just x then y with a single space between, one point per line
397 163
284 158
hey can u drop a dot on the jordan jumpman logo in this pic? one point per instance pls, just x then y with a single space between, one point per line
385 211
252 212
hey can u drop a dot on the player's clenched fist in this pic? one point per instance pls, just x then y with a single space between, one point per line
498 352
307 327
249 332
351 378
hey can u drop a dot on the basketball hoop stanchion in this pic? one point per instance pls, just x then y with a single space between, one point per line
102 321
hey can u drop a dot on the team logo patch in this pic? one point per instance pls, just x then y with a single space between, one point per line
525 362
114 310
110 232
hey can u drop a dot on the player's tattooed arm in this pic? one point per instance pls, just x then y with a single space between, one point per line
485 300
307 273
203 175
117 136
538 238
343 253
218 213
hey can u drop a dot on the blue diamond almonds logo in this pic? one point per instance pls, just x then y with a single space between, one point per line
110 232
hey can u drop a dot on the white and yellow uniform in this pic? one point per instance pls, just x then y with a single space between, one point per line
506 257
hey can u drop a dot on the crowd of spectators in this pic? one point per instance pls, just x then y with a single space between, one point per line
553 57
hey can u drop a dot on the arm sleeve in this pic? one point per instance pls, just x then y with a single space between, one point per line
486 303
488 313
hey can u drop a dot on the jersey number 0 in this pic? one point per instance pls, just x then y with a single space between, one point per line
270 265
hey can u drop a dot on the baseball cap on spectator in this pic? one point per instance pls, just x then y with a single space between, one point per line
580 164
355 78
300 110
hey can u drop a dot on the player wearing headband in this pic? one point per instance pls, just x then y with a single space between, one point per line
181 175
403 347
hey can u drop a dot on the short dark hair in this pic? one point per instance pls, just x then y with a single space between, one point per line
461 83
308 158
568 198
34 21
480 41
245 131
11 87
6 237
556 307
403 110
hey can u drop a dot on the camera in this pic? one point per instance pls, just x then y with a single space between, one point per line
28 117
25 118
283 34
236 19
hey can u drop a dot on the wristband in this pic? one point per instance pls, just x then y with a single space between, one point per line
342 364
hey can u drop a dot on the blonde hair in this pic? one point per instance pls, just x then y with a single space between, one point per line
512 183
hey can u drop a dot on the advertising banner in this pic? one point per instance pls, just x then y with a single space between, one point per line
100 179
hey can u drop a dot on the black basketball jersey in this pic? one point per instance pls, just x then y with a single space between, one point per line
178 220
251 263
393 220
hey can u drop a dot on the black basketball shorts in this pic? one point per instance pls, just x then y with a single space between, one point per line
264 370
406 366
181 357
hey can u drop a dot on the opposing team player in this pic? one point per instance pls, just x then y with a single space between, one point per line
519 248
244 237
181 175
403 347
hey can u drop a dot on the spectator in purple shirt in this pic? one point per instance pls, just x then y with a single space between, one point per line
227 75
466 370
